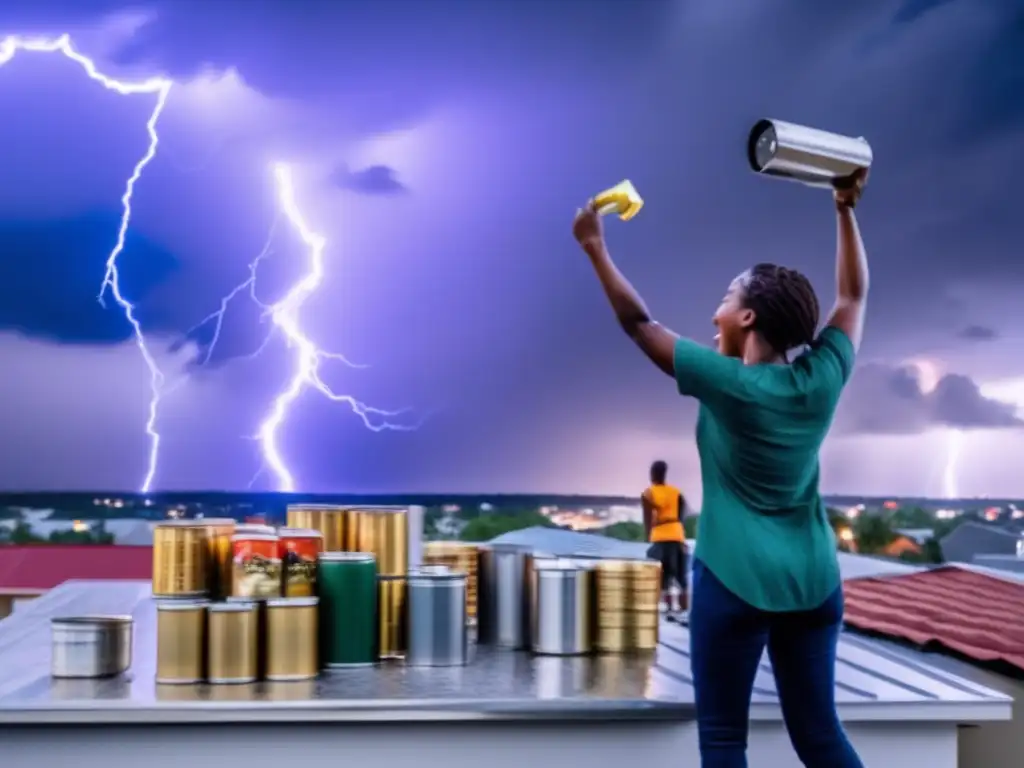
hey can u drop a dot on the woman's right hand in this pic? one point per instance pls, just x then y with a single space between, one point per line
587 227
847 190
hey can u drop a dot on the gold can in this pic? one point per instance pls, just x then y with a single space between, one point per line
391 617
328 519
301 516
233 643
461 557
628 593
384 532
180 557
218 568
181 641
645 638
292 638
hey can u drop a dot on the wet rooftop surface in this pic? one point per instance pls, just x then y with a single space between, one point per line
872 683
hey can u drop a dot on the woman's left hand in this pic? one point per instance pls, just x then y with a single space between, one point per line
848 190
587 227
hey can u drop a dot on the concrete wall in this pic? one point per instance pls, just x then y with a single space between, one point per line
994 745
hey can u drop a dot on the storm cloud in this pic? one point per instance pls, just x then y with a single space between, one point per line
468 295
373 180
890 400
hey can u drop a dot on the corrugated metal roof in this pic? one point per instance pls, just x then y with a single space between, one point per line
563 543
870 685
963 610
41 567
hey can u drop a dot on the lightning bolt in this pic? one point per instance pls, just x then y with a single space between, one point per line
951 471
309 356
160 88
247 287
284 315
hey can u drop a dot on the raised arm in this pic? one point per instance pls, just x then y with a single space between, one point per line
851 263
654 340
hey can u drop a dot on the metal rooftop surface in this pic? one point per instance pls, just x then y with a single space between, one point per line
563 543
871 685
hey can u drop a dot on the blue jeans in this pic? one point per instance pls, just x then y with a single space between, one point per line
727 638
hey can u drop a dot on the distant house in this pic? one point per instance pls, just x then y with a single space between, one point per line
919 536
901 545
971 539
1008 563
30 571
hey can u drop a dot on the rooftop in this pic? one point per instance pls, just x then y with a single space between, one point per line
871 685
39 567
970 611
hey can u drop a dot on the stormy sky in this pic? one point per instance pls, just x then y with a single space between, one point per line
440 150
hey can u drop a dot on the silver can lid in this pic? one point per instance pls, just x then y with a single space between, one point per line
254 535
96 620
233 606
293 602
181 605
347 557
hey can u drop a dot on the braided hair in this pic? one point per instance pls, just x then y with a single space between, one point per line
784 304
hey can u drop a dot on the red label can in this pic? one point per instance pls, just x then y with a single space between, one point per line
298 551
256 571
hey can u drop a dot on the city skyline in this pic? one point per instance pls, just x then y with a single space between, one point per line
442 173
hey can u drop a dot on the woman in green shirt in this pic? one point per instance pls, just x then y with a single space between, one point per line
765 570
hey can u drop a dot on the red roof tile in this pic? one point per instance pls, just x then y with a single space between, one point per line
973 614
42 567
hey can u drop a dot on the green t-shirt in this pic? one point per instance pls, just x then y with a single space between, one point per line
764 531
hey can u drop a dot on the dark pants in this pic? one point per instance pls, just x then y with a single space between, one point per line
672 556
727 638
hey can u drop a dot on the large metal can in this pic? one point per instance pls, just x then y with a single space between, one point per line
348 609
180 559
292 633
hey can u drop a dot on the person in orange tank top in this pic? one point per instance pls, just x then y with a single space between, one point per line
663 507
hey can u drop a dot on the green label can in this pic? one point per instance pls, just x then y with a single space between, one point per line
348 609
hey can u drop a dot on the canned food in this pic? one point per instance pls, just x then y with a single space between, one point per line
180 558
391 612
180 641
298 550
233 643
461 558
383 532
627 598
292 634
257 566
218 568
348 594
329 519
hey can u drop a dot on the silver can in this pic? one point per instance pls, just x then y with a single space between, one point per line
808 155
437 635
